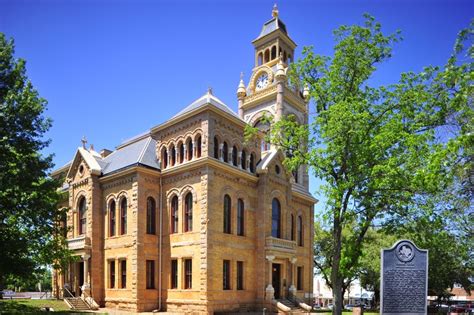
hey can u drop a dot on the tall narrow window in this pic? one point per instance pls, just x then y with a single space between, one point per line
292 228
164 159
227 214
188 213
300 231
198 146
150 274
112 274
226 275
123 274
299 278
216 148
240 217
225 152
150 216
112 218
181 153
190 148
174 274
252 163
234 155
274 52
188 273
295 175
174 214
243 161
276 218
173 156
82 216
123 216
240 275
259 59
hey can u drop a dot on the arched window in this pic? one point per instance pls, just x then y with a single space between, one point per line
189 146
284 56
292 228
181 152
243 161
276 218
240 217
289 59
264 127
82 216
252 163
150 216
164 159
173 156
123 216
295 175
174 214
198 147
274 52
188 213
227 214
216 148
225 152
112 218
260 59
300 231
267 55
234 155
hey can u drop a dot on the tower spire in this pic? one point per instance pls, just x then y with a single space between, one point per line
275 11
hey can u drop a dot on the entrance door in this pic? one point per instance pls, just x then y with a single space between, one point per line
276 279
81 276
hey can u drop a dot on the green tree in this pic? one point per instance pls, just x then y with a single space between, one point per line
376 148
30 237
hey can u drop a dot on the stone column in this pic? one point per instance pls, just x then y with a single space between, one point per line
185 152
194 153
248 163
269 290
86 288
221 152
292 288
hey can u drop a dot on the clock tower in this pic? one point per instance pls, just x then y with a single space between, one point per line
269 92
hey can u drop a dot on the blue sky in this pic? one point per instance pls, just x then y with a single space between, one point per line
113 69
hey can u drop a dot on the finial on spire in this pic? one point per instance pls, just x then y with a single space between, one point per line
209 90
241 75
91 148
275 11
84 141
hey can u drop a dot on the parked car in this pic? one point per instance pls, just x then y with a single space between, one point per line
316 307
349 307
458 308
330 306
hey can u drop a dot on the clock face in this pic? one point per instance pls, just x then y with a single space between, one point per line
262 81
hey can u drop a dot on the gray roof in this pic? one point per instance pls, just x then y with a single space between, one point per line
139 152
207 98
271 26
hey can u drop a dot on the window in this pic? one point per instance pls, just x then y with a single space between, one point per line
299 278
174 214
300 231
240 217
227 214
274 52
150 216
267 55
164 159
181 153
276 218
243 160
150 274
190 149
188 273
226 275
277 169
295 176
234 155
240 275
198 146
112 218
173 156
225 152
188 213
123 274
259 59
174 274
252 163
123 216
216 148
111 274
292 228
82 216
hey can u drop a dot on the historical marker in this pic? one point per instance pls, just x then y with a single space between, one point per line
404 279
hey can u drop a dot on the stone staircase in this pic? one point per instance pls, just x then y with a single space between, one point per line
294 309
77 303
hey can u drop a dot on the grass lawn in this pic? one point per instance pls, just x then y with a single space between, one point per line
29 306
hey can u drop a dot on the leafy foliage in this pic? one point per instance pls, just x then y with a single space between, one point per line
28 197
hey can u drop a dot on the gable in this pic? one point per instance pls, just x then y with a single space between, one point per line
87 161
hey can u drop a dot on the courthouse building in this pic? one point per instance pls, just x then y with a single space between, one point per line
189 216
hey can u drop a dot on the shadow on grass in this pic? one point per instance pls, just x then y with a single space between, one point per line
20 307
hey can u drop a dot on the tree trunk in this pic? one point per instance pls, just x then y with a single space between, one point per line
336 276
